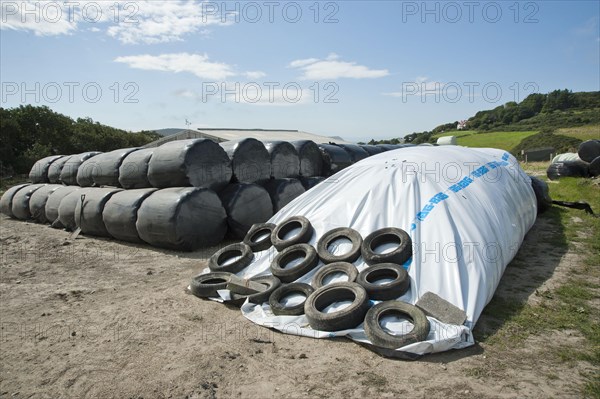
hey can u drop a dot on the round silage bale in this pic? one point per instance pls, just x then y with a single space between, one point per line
7 199
311 161
283 191
196 162
133 172
55 169
120 213
284 159
39 171
250 160
310 182
38 200
53 203
245 204
106 166
335 158
182 218
68 174
372 149
356 152
589 150
66 209
88 211
20 201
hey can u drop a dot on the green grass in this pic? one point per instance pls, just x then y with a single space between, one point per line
502 140
588 132
570 306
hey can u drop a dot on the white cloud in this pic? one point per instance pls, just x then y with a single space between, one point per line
130 22
255 74
196 64
333 68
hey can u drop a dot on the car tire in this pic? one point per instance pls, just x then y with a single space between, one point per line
280 309
291 274
338 267
381 338
217 261
271 282
253 240
386 291
278 235
344 319
383 236
207 285
341 232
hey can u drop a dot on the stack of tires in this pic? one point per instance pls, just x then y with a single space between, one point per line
162 195
310 282
587 164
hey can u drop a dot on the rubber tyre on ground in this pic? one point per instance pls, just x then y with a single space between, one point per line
255 232
287 275
335 234
387 235
386 291
243 251
279 232
280 309
349 317
271 282
337 267
207 285
379 337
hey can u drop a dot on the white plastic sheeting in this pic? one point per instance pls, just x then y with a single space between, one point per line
466 210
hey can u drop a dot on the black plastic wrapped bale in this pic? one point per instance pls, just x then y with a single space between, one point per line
567 169
250 160
66 209
595 167
356 152
53 203
133 172
39 171
20 201
182 219
542 194
283 191
284 159
55 168
372 149
388 147
245 204
106 172
68 174
310 182
335 158
120 213
7 199
311 161
88 211
196 162
38 200
589 150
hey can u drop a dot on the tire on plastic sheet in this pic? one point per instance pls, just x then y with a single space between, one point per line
346 268
381 338
399 284
239 256
344 319
387 235
207 285
287 274
258 237
280 309
280 238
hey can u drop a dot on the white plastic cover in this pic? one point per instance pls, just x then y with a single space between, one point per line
466 210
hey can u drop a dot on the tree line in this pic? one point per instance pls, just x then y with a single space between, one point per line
28 133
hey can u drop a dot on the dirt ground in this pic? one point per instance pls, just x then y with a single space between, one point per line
99 318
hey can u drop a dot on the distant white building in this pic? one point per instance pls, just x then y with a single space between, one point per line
461 125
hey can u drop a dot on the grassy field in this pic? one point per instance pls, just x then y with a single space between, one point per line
503 140
588 132
570 306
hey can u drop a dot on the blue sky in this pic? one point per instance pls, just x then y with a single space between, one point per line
381 68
